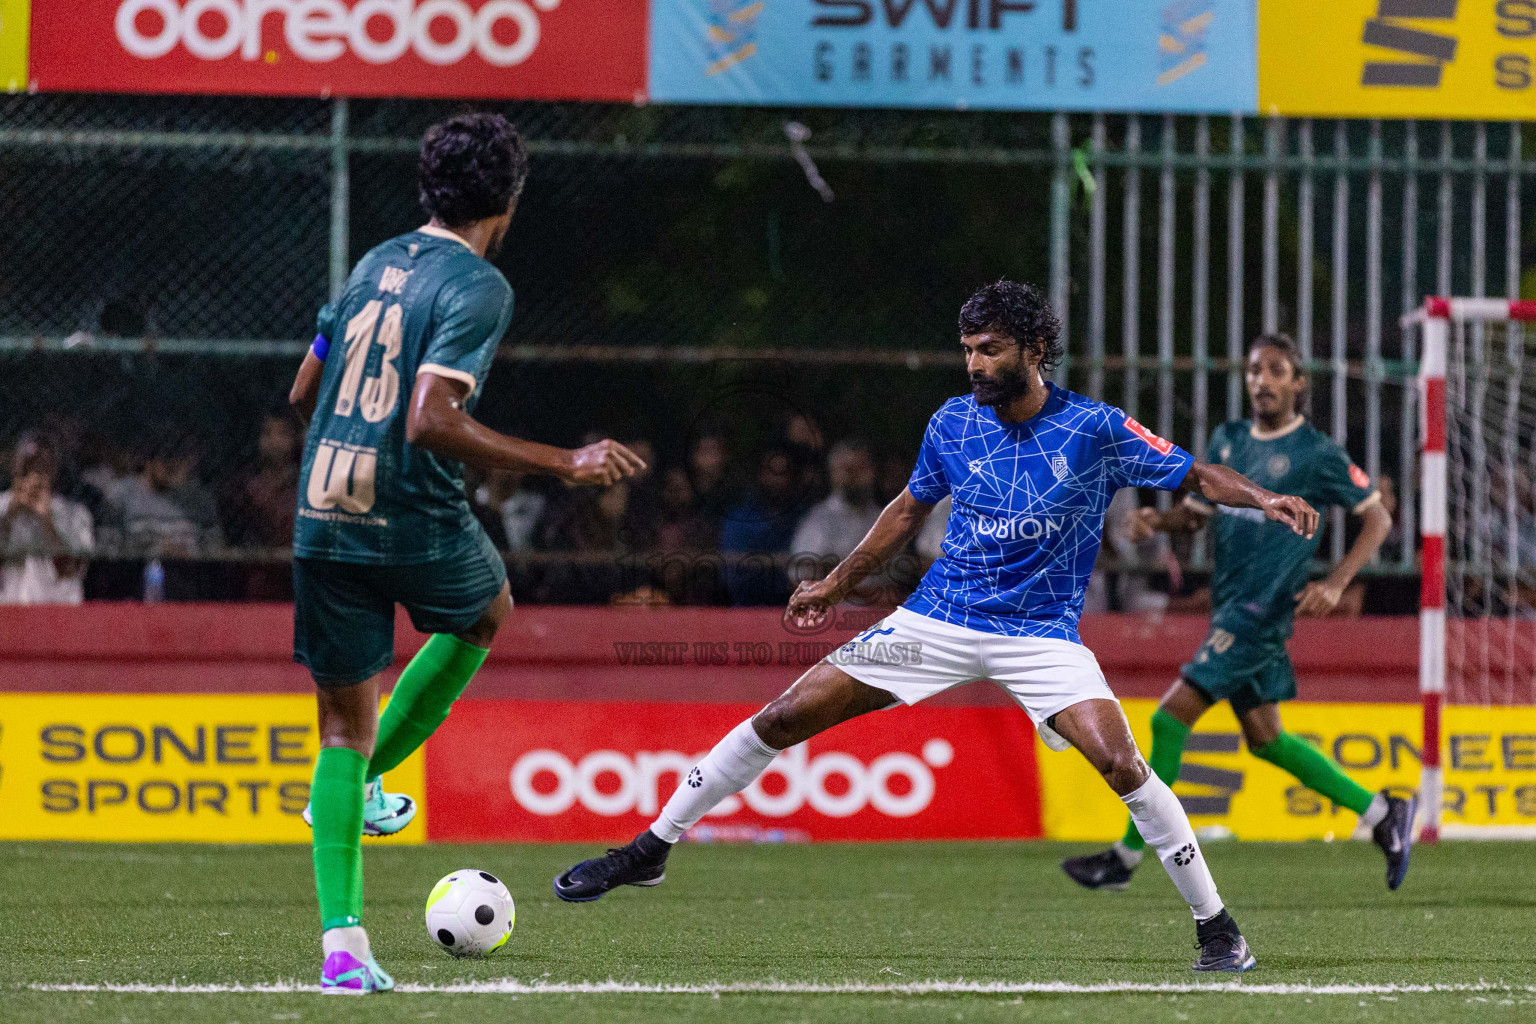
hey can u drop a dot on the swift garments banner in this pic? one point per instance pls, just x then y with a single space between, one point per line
532 49
599 772
1194 55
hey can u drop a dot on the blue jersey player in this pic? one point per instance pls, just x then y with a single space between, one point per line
401 358
1031 468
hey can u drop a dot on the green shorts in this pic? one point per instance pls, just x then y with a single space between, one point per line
1246 671
344 612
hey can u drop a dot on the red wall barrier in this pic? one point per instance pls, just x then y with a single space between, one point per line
696 655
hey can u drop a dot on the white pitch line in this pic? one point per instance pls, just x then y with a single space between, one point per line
511 986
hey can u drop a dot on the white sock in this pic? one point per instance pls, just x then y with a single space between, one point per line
353 939
1162 823
1374 813
725 771
1129 857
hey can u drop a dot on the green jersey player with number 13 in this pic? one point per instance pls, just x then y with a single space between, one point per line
400 360
1258 585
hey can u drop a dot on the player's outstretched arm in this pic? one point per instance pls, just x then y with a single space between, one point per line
437 422
899 523
1321 597
1220 485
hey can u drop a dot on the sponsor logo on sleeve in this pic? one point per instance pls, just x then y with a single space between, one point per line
1357 476
1161 446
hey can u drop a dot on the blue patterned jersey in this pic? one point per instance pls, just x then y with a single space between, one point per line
1029 503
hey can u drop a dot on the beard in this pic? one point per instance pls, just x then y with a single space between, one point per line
999 390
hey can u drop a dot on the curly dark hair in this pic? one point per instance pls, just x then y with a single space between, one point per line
1287 347
470 168
1018 311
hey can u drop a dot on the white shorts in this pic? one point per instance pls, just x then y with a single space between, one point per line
914 657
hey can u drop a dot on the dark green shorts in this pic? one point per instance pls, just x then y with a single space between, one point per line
344 613
1245 671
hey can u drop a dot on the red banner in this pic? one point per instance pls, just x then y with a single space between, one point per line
522 49
565 771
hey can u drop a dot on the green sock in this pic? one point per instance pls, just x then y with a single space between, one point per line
1314 769
336 805
422 698
1168 736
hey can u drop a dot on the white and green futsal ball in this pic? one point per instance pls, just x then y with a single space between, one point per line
470 913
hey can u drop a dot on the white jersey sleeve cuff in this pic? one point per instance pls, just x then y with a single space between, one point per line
448 372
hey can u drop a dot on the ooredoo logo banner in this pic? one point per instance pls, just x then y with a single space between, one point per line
535 49
598 772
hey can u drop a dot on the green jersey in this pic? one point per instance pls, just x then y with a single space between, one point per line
1261 565
420 303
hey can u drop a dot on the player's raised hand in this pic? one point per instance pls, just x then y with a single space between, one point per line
1293 512
603 463
809 604
1318 598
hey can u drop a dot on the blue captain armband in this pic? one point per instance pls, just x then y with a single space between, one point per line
321 347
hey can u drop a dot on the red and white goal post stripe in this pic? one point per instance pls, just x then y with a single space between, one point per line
1437 318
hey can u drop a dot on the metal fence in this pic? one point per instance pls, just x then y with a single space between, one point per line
1352 218
164 258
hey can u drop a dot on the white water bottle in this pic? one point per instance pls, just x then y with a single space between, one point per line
154 582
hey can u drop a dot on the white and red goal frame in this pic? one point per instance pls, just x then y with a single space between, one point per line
1436 318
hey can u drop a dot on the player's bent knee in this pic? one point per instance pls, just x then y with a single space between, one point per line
1124 770
820 699
348 716
792 718
484 630
357 734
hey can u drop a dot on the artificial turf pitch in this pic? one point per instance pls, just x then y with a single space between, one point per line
1332 943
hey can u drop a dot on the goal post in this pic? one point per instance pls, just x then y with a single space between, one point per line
1477 609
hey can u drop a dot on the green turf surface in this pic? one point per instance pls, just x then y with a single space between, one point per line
884 915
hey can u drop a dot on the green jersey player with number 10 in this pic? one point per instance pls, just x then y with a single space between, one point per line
1258 586
388 388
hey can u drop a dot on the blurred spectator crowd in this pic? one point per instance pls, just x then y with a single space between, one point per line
720 522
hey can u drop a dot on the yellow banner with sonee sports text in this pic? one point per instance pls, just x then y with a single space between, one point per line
197 768
1489 758
1413 58
15 33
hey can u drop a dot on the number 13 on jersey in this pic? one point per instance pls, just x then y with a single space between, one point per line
380 393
